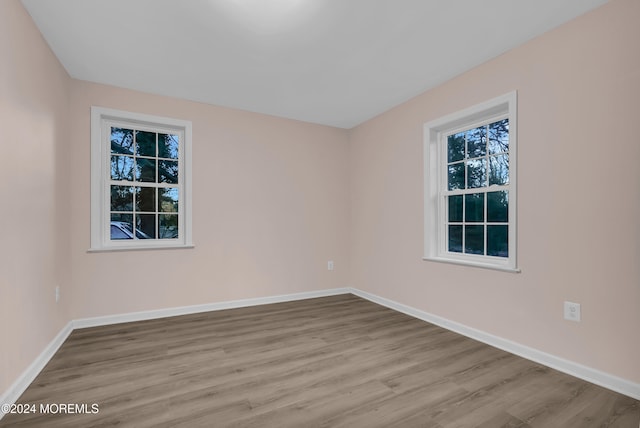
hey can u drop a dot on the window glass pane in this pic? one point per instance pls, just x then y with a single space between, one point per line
474 239
476 173
474 207
168 171
168 200
146 199
168 146
455 147
121 198
146 170
456 176
122 168
145 226
499 169
499 137
121 226
145 143
121 141
455 208
477 142
498 206
168 226
455 239
498 240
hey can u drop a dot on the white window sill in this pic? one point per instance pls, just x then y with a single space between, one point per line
472 264
140 248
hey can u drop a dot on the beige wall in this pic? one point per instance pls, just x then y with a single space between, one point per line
270 208
579 197
34 198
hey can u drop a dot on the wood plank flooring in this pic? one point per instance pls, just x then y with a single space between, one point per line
336 361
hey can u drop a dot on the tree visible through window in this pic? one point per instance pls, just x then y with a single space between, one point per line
470 189
140 181
477 200
144 185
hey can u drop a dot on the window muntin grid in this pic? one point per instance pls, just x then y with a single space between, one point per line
144 183
476 198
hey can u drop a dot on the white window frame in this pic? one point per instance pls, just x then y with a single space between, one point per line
435 181
101 121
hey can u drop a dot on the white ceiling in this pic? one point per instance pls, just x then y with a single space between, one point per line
333 62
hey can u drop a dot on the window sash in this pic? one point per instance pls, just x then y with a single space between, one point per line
106 136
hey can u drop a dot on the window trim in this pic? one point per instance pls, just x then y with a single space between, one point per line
100 239
435 131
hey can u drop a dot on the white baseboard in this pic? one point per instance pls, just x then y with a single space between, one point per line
208 307
20 385
588 374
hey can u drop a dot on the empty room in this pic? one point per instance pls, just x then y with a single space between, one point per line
305 213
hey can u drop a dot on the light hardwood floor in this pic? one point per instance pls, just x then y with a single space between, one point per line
329 362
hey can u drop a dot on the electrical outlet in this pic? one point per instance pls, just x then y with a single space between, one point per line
330 265
572 311
57 293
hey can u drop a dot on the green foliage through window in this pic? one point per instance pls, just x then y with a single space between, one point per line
478 198
144 184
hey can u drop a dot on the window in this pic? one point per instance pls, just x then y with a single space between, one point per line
470 186
140 181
